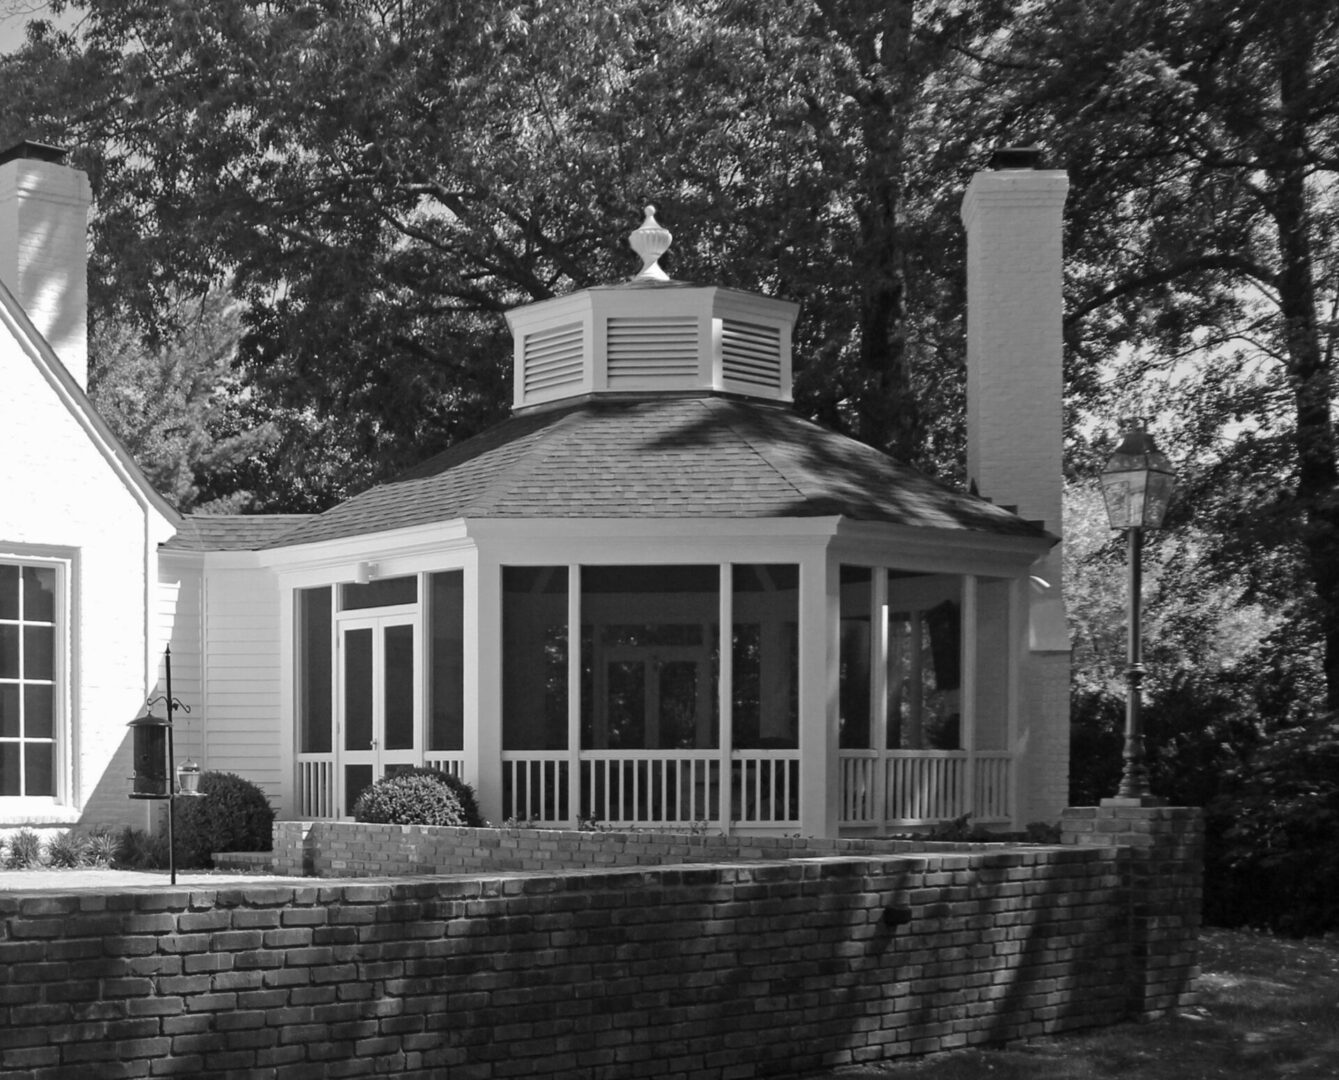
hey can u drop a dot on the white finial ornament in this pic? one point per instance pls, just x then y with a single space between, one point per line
650 242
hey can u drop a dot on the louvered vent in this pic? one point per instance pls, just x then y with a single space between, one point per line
642 349
751 354
553 358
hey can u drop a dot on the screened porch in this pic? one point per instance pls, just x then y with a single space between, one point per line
622 702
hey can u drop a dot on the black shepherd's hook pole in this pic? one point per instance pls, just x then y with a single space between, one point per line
171 771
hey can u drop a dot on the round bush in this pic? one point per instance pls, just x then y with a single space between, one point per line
233 815
469 804
409 798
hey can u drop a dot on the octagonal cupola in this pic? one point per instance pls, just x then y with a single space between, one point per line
651 335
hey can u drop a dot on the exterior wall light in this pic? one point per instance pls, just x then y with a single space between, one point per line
1137 488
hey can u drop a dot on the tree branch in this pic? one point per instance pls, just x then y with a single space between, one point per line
1170 273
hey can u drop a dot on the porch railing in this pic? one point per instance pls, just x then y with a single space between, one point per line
316 786
911 787
665 788
652 788
316 780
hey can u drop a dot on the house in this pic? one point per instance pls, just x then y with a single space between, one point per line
654 596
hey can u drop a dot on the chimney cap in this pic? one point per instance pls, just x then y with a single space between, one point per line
26 150
1016 157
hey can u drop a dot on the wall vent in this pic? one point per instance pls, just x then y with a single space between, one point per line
751 354
639 349
553 358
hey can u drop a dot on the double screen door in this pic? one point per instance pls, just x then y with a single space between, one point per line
380 700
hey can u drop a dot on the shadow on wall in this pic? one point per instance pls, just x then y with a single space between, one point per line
110 803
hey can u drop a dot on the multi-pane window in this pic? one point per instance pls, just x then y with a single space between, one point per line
29 623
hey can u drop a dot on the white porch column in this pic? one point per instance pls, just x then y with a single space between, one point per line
878 688
971 643
483 685
820 642
725 689
573 694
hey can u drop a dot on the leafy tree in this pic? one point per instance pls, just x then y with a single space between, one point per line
381 181
176 404
1201 138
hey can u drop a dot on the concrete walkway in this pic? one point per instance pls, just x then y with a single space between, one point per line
87 879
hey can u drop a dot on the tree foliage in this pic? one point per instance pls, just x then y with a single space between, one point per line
1201 139
177 404
379 182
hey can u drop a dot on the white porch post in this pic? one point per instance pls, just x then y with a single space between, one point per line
967 714
483 685
573 695
725 689
1018 629
878 689
820 640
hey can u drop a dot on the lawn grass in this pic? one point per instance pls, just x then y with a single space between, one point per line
1269 1008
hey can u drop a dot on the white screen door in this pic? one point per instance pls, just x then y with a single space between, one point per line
379 699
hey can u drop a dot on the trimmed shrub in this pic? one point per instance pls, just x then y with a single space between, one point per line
469 804
409 798
233 815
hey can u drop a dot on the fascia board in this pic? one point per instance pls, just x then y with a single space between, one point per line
77 403
939 550
414 540
643 530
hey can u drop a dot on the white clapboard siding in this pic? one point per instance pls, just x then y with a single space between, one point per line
242 677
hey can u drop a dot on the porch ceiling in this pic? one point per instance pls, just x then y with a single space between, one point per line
678 457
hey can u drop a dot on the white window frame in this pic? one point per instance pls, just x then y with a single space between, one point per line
13 807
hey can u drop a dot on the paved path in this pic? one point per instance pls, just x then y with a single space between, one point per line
82 880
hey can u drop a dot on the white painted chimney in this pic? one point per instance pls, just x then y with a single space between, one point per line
44 247
1015 433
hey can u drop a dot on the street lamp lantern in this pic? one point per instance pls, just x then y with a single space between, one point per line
1137 482
1137 486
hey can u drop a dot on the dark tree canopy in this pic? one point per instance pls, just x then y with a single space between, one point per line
376 182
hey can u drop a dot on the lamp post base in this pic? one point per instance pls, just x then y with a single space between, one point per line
1133 800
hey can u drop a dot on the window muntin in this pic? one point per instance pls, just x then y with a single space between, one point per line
30 629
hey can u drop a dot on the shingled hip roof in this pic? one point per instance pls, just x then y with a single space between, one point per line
663 458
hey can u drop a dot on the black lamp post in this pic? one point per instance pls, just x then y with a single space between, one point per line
1137 486
156 773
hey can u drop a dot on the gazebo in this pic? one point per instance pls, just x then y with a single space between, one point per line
656 597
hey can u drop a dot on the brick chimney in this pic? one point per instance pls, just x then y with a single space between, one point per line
1015 433
44 247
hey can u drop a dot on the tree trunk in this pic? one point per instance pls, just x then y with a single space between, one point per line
887 410
1317 471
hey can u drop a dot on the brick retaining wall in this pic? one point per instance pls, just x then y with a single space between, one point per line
771 969
356 849
775 968
1161 853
